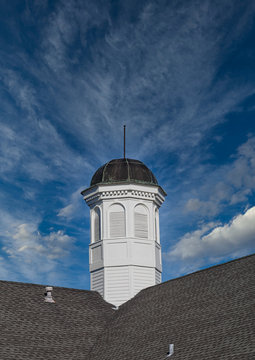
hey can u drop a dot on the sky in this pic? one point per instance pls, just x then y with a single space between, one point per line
180 74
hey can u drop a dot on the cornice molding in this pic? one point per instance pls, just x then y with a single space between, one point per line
119 194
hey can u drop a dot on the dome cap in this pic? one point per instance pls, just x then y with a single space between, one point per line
124 170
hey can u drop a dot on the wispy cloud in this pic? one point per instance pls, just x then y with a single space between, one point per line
33 145
227 185
74 207
74 72
158 74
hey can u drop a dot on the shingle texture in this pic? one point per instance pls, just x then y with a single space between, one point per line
32 329
206 315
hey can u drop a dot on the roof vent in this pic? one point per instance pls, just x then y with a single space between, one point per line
171 350
48 297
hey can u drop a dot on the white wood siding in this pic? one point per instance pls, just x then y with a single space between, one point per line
158 277
117 285
143 277
97 281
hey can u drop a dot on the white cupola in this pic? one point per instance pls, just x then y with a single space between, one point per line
125 253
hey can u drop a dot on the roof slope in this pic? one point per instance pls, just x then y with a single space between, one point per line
32 330
206 315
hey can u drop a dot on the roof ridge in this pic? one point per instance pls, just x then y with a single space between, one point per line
104 331
44 285
201 270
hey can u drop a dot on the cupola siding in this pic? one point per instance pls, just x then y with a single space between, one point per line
125 251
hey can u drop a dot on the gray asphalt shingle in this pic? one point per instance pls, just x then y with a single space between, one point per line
32 329
206 315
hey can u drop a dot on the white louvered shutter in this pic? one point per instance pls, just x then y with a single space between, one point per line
141 222
117 221
97 225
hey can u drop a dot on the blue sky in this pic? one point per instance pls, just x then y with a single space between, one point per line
179 74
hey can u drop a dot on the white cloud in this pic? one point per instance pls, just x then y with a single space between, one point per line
236 235
27 252
27 239
211 241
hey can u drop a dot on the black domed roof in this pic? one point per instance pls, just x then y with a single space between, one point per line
123 170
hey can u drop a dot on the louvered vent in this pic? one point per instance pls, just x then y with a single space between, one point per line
141 222
97 224
117 221
156 225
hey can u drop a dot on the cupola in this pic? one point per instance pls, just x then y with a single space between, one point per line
125 253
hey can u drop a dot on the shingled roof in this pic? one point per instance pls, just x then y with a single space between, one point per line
206 315
33 330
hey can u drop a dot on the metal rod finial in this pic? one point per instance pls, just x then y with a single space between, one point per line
124 141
